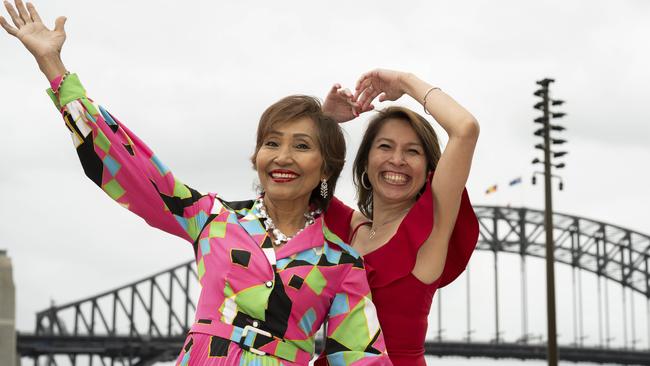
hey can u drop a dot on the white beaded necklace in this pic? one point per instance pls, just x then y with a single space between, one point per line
280 237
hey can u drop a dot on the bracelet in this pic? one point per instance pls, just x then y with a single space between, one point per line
60 82
424 105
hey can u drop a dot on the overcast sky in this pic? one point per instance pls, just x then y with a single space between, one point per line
192 78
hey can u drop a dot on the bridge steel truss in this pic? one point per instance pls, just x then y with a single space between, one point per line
137 324
145 321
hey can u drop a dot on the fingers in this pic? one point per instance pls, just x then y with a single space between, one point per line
366 95
22 11
363 82
33 13
337 88
364 79
360 110
349 98
369 108
369 98
11 30
365 88
18 22
347 94
59 24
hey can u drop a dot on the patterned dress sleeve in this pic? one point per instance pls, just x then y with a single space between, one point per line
353 335
125 168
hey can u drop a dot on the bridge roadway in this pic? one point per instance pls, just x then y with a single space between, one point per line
159 349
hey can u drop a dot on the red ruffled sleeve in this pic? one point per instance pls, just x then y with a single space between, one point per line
396 259
461 243
337 218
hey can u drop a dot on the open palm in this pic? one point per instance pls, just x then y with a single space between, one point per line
30 30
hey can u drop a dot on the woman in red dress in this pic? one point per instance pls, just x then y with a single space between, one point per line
416 228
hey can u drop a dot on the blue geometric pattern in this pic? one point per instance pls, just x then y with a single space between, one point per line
162 168
307 321
340 305
253 227
112 165
308 256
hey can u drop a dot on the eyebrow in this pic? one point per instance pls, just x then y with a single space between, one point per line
295 135
393 141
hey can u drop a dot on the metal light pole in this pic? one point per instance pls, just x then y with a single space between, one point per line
545 133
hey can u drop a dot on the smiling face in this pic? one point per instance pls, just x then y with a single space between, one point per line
289 162
397 165
397 151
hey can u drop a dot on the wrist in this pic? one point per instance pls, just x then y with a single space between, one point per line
407 82
51 66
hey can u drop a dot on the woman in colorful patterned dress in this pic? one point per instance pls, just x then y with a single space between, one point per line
264 294
416 229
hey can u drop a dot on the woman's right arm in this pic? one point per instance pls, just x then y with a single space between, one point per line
451 171
111 155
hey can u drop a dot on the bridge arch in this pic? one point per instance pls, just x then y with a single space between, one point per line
146 320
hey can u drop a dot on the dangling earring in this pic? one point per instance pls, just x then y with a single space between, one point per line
323 188
363 181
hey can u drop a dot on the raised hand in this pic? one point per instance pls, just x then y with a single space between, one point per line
43 43
341 105
31 31
385 84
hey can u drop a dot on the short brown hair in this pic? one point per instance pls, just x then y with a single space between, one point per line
423 130
329 134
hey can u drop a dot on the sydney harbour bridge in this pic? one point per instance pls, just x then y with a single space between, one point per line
603 309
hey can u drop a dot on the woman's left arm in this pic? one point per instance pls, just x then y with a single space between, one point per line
453 168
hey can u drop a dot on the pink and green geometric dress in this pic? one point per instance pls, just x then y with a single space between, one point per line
257 306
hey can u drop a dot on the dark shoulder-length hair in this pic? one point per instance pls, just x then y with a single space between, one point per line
424 131
330 138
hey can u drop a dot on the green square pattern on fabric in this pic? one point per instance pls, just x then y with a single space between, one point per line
316 281
90 107
253 301
102 142
54 98
71 89
113 189
286 351
217 229
352 332
181 190
192 227
307 345
200 268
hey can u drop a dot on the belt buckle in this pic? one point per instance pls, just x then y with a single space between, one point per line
254 330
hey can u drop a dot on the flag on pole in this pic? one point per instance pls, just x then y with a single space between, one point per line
515 181
491 189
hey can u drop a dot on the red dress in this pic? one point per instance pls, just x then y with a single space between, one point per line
402 301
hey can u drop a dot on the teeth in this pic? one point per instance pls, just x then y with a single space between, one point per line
283 175
395 177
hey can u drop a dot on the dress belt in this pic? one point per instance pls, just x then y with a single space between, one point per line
253 339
